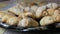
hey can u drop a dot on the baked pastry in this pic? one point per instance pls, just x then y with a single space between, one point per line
8 19
40 11
56 18
27 14
26 9
12 21
56 15
34 8
28 22
56 12
52 5
16 9
5 17
45 13
46 20
50 11
1 15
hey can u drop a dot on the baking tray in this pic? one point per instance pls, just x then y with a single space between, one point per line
51 27
15 28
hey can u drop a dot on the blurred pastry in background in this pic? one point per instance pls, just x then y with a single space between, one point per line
17 9
42 3
34 6
52 5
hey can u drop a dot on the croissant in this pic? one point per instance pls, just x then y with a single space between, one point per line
26 9
34 8
40 11
16 9
56 12
52 5
27 14
46 20
8 19
50 11
12 21
56 16
28 22
1 15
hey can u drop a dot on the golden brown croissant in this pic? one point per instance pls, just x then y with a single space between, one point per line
12 21
52 5
1 14
28 22
56 12
46 20
56 16
8 19
34 8
40 11
17 9
50 11
27 14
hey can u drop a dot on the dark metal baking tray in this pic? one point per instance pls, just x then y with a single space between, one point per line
15 28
